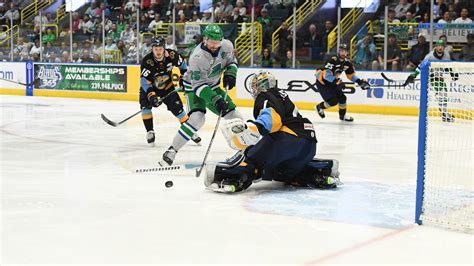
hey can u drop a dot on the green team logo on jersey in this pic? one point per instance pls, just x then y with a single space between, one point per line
223 55
216 71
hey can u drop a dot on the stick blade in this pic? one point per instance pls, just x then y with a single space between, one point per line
108 121
386 78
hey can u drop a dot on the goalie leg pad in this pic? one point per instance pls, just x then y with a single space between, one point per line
320 173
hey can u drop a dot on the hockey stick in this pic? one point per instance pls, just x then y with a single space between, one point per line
166 168
199 170
402 83
17 82
115 124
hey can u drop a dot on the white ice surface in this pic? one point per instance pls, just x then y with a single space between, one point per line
68 195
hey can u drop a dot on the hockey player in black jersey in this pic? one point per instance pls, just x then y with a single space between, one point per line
161 71
278 145
330 86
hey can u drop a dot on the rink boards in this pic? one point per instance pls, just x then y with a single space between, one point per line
122 82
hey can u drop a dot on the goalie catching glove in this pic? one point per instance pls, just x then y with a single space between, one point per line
239 134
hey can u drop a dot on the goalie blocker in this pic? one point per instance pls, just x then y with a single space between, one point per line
278 145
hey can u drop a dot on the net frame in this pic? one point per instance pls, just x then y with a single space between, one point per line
444 194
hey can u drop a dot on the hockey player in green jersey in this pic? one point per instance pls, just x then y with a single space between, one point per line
437 79
210 61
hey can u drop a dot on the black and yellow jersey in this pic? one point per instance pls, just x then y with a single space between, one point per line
331 70
275 112
158 74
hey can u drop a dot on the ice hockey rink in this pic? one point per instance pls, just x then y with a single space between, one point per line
69 195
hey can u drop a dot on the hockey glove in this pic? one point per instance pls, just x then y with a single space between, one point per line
363 84
153 99
220 104
229 81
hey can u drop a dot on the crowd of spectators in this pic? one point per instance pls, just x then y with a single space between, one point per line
121 20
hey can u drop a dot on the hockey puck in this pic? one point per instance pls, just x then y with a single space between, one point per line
169 183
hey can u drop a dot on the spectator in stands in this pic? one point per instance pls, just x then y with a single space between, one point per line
86 26
97 47
113 33
86 57
409 18
464 18
219 17
314 38
267 60
131 56
108 23
103 7
425 18
131 6
169 17
121 23
446 18
76 51
236 17
40 19
169 43
328 27
76 20
97 32
439 8
91 11
145 48
133 21
267 27
128 36
460 4
181 17
289 61
448 48
418 8
157 23
391 17
467 52
143 23
49 54
65 58
206 18
49 36
418 52
242 9
365 53
36 49
394 55
109 44
64 47
226 8
12 13
285 42
195 17
20 50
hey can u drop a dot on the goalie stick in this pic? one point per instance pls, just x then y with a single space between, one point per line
199 170
115 124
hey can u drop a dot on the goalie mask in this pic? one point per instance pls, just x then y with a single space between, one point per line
261 82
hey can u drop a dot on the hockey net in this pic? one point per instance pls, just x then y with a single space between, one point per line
445 179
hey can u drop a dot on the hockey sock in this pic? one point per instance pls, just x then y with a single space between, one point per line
342 110
188 129
147 117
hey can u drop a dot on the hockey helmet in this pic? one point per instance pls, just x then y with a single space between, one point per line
261 82
158 41
213 32
344 46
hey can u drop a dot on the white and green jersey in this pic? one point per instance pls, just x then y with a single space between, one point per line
205 69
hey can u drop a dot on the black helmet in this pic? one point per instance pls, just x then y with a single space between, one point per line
158 41
344 46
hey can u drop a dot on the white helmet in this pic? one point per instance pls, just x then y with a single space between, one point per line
262 81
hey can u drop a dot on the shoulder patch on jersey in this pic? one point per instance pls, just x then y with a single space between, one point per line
334 58
150 62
